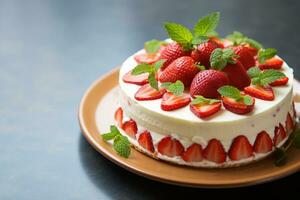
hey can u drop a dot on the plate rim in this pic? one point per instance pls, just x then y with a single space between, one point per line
122 163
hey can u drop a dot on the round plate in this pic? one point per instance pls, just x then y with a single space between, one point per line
96 115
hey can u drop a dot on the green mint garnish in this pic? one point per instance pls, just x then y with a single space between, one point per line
151 69
176 88
238 38
207 25
180 34
265 54
121 144
153 46
264 77
280 153
221 57
234 93
202 100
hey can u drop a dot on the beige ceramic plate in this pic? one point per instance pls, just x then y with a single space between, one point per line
96 114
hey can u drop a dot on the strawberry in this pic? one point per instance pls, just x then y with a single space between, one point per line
240 148
263 143
272 63
146 92
279 135
205 110
289 124
193 153
170 53
182 69
172 102
130 128
260 92
238 107
281 81
237 75
135 79
119 116
218 41
170 147
214 151
253 51
148 58
145 140
203 52
207 82
245 56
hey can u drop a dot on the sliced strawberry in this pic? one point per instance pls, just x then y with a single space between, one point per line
279 135
135 79
214 151
263 143
119 116
145 140
203 52
172 102
146 92
193 153
182 69
282 81
171 52
245 56
130 128
148 58
205 110
260 92
170 147
272 63
238 107
240 148
206 83
289 124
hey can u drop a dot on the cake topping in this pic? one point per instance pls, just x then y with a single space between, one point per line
140 79
172 102
146 92
204 107
244 56
237 38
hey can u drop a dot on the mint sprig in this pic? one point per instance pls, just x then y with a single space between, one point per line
265 54
265 77
151 69
234 93
280 153
207 24
121 143
153 46
176 88
202 100
238 38
221 57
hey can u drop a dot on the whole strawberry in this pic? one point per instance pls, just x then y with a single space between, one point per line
171 52
245 56
207 82
182 69
203 51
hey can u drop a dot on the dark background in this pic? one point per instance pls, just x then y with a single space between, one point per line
51 51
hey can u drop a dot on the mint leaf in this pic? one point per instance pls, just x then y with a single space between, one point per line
142 68
265 54
122 146
212 34
153 46
202 100
158 64
238 38
200 67
253 72
220 58
269 76
280 157
180 34
253 43
176 88
207 24
247 100
152 81
112 134
199 40
230 91
165 84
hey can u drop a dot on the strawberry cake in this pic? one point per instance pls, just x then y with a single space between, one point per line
200 100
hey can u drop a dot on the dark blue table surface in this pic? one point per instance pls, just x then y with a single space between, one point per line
51 51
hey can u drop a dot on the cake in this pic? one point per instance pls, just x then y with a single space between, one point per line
203 101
